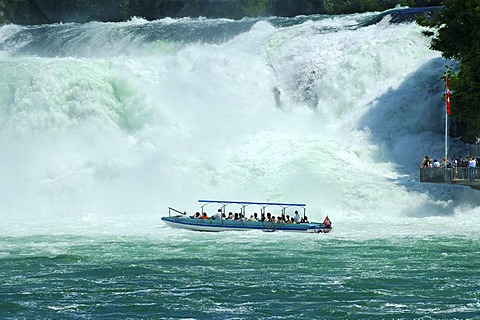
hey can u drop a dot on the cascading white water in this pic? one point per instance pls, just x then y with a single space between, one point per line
99 119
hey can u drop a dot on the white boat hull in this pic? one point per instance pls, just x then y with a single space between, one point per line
209 225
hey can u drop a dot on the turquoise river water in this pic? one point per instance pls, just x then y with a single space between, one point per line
103 126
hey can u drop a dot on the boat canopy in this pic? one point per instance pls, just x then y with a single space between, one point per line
257 203
243 204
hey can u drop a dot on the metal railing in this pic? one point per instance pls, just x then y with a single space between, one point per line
170 209
449 174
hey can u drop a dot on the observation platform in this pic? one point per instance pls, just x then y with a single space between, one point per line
469 177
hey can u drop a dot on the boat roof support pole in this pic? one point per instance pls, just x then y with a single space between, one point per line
222 208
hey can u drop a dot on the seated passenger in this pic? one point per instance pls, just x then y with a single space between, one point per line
230 216
255 216
292 220
197 215
297 217
218 215
204 217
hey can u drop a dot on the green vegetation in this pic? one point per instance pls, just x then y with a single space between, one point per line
50 11
456 34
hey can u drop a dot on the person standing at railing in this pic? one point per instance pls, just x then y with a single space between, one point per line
454 166
445 163
462 164
426 163
472 164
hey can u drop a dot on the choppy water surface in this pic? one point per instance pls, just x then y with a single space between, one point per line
239 275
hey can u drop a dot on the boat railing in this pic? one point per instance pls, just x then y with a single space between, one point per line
170 209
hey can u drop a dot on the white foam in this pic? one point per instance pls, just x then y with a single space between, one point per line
128 135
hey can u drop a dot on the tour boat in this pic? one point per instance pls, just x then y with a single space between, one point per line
221 222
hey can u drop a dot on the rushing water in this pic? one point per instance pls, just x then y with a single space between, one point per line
103 126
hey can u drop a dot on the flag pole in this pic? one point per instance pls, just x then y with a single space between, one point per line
446 124
447 112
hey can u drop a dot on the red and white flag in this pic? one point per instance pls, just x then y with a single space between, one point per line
327 222
447 97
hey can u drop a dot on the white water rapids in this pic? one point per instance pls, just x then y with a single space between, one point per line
102 122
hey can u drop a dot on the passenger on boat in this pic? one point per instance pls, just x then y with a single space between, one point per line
230 216
292 220
255 216
269 217
204 217
218 215
297 217
197 215
224 216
